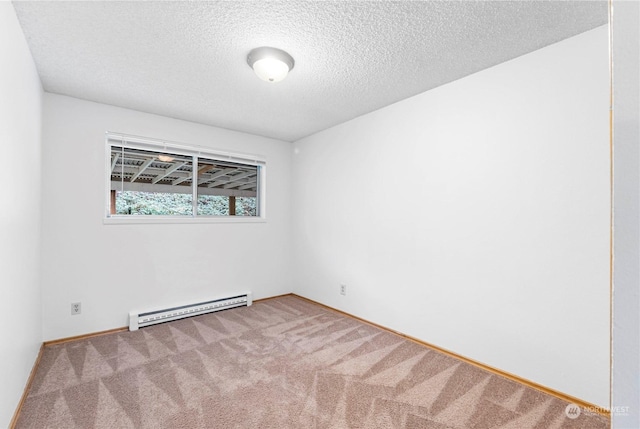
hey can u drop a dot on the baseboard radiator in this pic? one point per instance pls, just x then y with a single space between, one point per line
148 318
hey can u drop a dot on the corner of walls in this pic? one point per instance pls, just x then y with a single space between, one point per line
20 213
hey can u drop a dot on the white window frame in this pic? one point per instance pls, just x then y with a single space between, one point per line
156 145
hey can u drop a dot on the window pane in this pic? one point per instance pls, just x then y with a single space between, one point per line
150 183
220 183
149 178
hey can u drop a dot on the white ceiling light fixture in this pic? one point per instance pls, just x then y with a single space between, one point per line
270 64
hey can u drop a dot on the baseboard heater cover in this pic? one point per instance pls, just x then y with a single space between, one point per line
147 318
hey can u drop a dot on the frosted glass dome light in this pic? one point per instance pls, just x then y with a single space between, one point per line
270 69
270 64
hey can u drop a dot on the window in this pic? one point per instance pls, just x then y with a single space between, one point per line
150 179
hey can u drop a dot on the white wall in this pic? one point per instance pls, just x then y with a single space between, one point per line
474 216
20 108
112 269
626 142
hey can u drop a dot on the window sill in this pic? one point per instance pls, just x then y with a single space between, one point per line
141 219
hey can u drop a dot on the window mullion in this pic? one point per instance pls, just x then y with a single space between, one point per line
194 185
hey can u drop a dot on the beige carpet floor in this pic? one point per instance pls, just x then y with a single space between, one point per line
281 363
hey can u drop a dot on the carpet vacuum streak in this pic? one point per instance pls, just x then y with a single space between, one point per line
281 363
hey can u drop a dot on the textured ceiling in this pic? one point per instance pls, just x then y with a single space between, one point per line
187 60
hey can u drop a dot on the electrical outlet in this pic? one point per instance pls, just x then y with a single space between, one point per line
343 289
76 308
